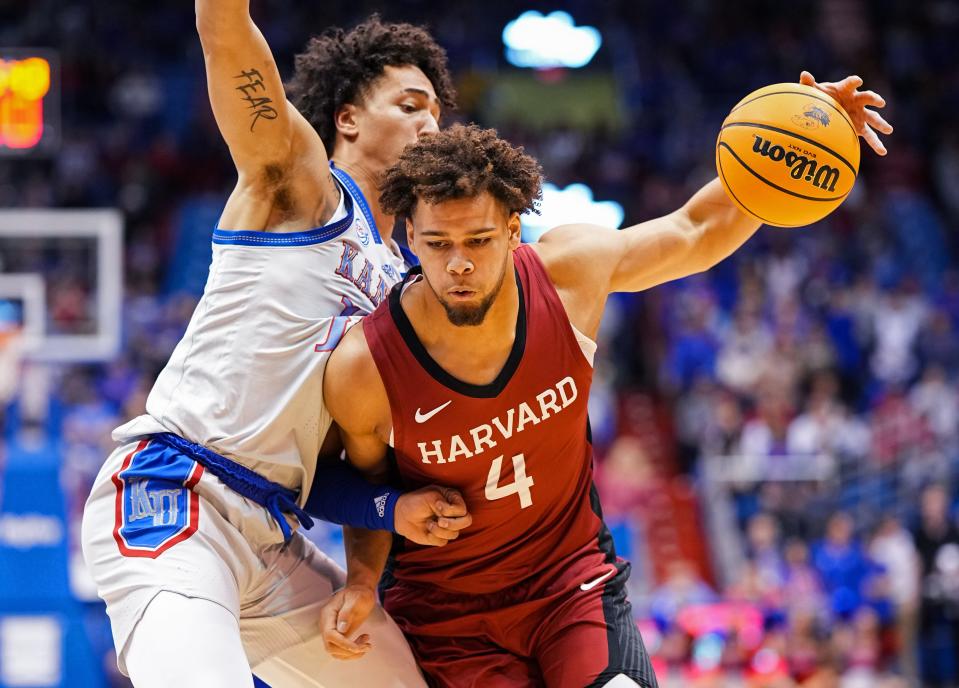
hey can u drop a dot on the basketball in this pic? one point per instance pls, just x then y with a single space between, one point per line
787 154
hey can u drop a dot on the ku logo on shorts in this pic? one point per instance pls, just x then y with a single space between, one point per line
156 507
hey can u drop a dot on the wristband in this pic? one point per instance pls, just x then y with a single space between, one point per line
340 494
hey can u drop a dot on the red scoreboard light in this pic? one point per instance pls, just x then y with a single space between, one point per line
29 102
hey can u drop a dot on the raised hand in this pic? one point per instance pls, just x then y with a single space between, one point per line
856 104
431 515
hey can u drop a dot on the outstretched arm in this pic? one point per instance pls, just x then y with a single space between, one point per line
588 262
283 181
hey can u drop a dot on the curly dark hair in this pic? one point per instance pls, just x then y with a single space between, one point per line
338 66
462 162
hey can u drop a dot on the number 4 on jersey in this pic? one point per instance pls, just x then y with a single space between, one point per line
520 485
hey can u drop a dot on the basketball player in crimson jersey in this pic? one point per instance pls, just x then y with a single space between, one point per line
477 373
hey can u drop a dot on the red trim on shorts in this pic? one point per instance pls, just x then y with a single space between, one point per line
128 550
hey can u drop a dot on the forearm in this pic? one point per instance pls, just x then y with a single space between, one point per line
717 227
692 239
366 554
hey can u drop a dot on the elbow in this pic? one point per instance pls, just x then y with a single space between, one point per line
205 21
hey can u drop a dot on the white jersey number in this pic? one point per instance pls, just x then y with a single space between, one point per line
520 485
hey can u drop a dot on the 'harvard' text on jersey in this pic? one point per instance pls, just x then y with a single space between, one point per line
516 448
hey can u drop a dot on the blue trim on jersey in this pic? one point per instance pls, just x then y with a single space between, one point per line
347 181
225 237
273 497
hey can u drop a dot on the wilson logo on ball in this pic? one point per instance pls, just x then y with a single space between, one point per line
801 167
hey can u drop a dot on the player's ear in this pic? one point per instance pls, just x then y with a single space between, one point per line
345 120
514 229
409 232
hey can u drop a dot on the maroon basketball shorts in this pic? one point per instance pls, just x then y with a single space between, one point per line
568 628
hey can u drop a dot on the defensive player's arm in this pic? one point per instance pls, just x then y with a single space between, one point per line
284 181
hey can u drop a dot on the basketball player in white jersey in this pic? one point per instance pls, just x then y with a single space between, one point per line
190 528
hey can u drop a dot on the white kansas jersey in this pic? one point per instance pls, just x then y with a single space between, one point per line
246 379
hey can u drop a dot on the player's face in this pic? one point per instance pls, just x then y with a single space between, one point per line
395 110
464 247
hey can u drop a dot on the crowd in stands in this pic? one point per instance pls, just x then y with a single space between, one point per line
817 368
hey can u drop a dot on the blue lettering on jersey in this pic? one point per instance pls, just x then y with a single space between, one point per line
363 281
381 290
349 308
334 334
156 505
365 278
345 268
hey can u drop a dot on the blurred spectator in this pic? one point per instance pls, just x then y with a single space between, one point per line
937 541
841 565
897 321
625 477
938 343
802 588
683 587
937 404
892 548
898 431
723 427
763 549
743 352
692 354
764 437
818 430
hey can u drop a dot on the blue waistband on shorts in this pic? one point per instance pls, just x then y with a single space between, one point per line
271 496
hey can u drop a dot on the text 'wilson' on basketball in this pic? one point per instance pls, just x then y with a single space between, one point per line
823 176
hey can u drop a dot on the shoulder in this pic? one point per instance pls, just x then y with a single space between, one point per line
568 252
352 387
577 261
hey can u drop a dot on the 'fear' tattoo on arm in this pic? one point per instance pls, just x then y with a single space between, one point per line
259 105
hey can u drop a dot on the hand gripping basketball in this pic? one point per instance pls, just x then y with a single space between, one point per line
856 103
788 154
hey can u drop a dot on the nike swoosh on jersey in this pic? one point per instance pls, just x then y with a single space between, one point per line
596 581
423 417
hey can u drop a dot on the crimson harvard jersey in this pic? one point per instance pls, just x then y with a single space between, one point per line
517 448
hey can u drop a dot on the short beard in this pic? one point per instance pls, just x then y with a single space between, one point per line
472 316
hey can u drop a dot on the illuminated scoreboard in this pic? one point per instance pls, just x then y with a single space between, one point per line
29 102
